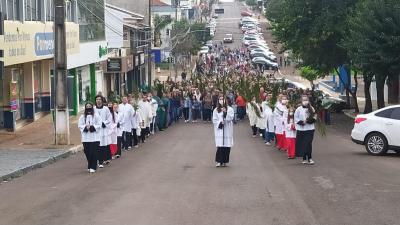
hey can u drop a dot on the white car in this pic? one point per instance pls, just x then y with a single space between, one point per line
378 130
228 38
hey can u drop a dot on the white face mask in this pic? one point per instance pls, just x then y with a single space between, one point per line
305 103
284 102
221 102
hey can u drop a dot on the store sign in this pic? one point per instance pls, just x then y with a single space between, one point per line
14 96
114 65
31 41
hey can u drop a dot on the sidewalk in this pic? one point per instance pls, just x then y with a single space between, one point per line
33 147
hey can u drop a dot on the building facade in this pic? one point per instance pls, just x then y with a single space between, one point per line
28 46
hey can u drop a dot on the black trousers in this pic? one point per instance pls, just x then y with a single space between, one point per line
254 129
186 113
90 149
119 145
134 137
262 131
196 114
222 155
126 139
143 134
304 141
103 153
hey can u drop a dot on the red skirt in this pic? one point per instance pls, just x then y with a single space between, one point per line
291 147
113 149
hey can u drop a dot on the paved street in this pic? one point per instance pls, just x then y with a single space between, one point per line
172 180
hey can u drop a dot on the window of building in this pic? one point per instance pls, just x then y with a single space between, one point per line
3 8
13 9
49 10
91 20
33 10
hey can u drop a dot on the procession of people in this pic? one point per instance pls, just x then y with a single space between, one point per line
224 89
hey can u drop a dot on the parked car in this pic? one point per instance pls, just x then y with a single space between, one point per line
246 13
264 62
270 57
228 38
378 130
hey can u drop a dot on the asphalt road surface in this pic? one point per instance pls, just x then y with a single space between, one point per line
172 180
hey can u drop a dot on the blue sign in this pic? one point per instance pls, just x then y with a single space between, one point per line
44 44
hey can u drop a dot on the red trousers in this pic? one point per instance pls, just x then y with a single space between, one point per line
291 147
280 141
113 149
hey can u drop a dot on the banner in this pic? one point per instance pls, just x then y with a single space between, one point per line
31 41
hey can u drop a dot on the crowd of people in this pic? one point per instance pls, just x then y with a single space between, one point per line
225 89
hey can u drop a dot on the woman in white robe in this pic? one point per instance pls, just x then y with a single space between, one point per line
222 119
104 137
89 124
251 113
269 123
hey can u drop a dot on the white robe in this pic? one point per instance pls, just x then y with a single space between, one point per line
280 115
251 114
301 114
154 107
105 116
126 112
94 121
261 121
135 120
269 118
145 113
223 137
113 130
289 132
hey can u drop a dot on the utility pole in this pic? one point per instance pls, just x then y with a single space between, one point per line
149 56
60 72
177 2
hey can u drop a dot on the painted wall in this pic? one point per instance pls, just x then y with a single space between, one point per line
89 53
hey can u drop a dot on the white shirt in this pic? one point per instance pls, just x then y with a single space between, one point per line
90 120
223 137
290 133
301 114
269 117
105 116
280 115
126 112
154 107
145 112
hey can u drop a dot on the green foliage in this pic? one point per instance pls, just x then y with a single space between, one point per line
113 97
87 94
309 73
159 24
251 2
189 37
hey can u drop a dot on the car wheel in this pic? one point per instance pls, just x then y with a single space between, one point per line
376 144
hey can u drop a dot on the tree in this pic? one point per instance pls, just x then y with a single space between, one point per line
374 38
159 24
313 30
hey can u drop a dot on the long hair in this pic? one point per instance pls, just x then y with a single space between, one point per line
86 113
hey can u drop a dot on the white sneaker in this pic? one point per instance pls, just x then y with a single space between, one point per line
218 165
311 162
304 162
117 156
129 147
260 135
92 171
136 146
267 143
254 136
101 166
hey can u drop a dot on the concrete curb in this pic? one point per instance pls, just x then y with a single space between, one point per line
44 163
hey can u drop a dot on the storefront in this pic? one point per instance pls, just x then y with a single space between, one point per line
28 52
116 70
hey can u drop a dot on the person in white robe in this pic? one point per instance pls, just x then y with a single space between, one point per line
126 112
113 130
251 113
269 122
305 118
154 107
89 124
136 121
222 119
103 137
280 113
261 122
146 115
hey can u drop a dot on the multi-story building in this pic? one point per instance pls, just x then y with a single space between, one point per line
28 45
126 37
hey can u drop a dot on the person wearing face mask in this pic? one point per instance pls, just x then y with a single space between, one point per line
103 137
290 134
89 124
126 112
222 119
305 119
251 113
113 131
280 118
